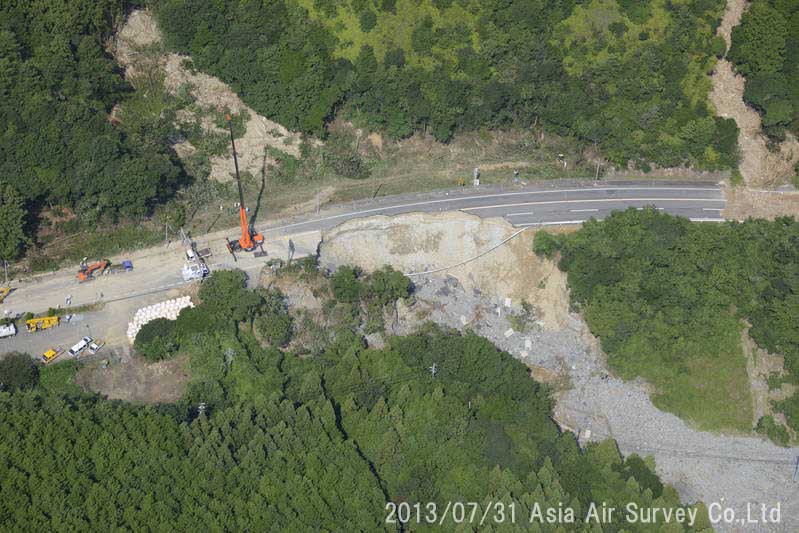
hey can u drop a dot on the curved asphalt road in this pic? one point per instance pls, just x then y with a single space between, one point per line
699 201
157 270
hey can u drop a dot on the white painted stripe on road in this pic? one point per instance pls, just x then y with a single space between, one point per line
712 209
559 223
568 222
583 210
658 208
602 200
498 195
519 214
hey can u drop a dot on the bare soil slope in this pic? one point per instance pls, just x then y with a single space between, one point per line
140 31
132 379
759 166
419 242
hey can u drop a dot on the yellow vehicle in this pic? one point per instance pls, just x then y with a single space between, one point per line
3 293
51 354
44 322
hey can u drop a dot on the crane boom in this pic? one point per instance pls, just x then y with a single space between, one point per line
248 241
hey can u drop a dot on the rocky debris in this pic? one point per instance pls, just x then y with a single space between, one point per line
730 469
419 242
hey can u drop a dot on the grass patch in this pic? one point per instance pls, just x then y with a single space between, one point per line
59 377
775 431
712 393
95 243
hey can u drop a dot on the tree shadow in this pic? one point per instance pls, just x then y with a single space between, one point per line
257 208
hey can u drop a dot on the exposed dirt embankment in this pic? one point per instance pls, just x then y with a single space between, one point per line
743 203
418 242
139 41
759 166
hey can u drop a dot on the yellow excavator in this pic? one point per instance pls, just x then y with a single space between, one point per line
4 292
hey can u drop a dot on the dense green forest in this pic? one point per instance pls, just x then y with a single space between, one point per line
267 440
669 298
629 76
58 86
765 49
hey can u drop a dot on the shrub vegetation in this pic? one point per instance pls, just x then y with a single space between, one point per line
631 76
668 299
266 440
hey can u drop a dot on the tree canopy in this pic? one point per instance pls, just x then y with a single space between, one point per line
765 49
267 440
669 298
631 76
58 141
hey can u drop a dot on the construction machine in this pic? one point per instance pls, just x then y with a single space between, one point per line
50 355
4 292
248 241
44 322
87 272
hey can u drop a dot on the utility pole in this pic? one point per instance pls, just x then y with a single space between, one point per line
433 370
5 267
184 238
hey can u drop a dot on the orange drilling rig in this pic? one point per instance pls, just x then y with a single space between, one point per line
248 240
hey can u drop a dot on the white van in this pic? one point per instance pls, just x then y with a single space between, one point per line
8 330
78 348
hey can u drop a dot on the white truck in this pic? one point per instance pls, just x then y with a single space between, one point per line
9 330
193 271
80 346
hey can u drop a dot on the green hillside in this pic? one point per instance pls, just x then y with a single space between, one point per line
266 439
630 76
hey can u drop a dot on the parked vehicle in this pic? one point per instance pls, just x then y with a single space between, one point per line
80 346
194 271
43 322
9 330
50 355
94 347
124 266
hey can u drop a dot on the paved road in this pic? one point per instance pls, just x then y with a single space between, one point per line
157 270
551 205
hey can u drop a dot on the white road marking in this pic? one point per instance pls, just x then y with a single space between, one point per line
583 210
561 222
712 209
567 222
519 214
498 195
658 208
602 200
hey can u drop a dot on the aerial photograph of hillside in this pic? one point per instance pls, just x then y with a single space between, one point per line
399 265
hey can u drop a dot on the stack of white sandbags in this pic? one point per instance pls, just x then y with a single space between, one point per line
169 309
